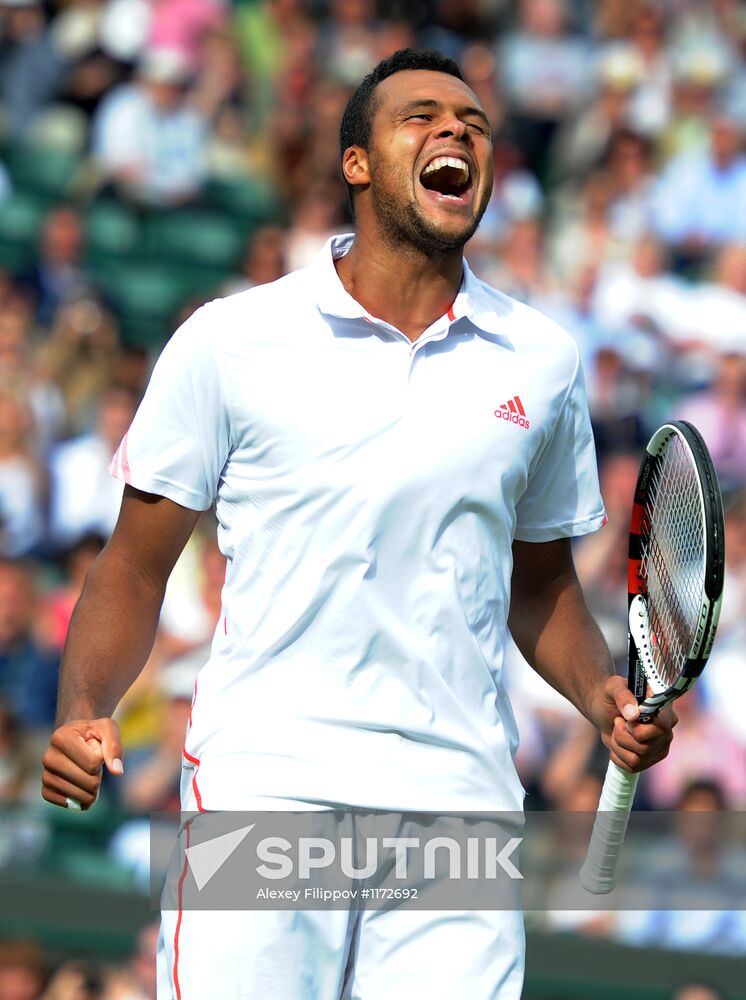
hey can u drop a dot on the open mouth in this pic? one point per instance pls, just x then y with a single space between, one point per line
448 178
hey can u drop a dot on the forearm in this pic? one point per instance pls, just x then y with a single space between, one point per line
110 638
557 635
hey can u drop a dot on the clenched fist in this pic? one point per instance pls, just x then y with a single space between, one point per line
73 763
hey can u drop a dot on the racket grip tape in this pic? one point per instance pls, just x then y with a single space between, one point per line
598 873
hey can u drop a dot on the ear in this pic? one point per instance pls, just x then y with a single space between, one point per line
355 166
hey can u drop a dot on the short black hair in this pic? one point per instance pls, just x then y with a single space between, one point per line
357 120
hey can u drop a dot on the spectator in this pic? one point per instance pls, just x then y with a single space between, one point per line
21 522
58 273
59 602
582 141
650 104
180 26
193 602
137 980
317 215
724 681
347 42
601 558
148 140
581 232
21 971
28 673
705 750
84 497
698 74
76 980
698 866
82 357
697 991
18 367
31 68
264 260
617 391
98 45
219 95
640 293
544 72
521 270
700 199
720 415
14 762
629 163
717 311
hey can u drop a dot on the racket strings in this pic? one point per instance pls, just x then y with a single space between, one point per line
673 558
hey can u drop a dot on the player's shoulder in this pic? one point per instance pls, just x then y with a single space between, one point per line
529 330
243 316
271 298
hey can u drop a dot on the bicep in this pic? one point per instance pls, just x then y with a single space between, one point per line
539 565
150 534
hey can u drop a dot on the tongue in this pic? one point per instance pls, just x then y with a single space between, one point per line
445 180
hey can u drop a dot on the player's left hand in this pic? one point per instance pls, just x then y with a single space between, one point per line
634 745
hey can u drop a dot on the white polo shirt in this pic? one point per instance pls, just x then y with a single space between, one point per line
367 491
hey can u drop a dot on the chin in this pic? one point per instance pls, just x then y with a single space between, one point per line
448 235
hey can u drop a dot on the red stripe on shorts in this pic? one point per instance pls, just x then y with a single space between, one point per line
177 986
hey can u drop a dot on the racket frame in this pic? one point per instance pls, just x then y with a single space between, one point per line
642 672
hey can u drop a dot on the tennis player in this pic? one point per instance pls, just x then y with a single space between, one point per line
399 456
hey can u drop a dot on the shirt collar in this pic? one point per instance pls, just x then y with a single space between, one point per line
472 302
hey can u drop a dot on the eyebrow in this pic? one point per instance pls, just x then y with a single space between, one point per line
426 102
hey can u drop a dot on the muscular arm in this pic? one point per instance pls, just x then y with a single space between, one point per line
111 635
555 632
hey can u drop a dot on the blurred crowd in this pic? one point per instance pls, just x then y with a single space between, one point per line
619 208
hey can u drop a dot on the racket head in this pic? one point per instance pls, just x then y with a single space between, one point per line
676 565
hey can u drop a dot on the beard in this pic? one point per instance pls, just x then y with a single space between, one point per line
403 223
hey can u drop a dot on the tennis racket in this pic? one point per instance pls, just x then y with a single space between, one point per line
676 556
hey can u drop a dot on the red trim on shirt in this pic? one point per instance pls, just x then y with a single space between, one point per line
451 314
196 761
177 986
194 698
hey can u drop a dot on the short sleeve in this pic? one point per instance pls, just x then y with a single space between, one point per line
562 497
179 440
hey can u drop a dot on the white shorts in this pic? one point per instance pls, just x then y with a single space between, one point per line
337 955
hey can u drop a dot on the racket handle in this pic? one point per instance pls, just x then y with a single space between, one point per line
598 874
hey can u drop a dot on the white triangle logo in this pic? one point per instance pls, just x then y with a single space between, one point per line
209 857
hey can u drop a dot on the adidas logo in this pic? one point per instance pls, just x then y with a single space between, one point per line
513 412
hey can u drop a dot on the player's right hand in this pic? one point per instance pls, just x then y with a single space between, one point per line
73 764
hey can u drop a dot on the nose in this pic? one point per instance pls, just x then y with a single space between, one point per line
452 128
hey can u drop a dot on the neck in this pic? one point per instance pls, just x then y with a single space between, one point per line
400 285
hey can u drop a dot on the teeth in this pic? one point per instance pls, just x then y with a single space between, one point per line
447 161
